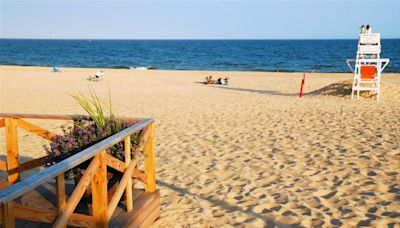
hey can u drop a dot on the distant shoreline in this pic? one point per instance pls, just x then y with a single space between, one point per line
176 39
190 70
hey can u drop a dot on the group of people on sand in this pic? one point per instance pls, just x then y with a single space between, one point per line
219 81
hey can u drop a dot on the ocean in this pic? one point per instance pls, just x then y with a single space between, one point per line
225 55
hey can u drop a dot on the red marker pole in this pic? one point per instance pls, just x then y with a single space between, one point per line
302 84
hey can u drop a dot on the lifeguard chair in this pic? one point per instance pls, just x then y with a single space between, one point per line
368 65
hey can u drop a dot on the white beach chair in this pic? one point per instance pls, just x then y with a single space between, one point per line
368 65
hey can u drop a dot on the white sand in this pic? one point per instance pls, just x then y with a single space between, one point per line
252 153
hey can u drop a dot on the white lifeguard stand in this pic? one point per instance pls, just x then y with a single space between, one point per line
368 65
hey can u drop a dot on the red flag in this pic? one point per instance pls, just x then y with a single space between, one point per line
302 84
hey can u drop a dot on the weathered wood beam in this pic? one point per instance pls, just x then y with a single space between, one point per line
35 129
29 165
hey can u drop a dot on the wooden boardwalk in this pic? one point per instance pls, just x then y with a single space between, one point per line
47 199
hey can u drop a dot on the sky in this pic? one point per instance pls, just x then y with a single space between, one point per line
190 19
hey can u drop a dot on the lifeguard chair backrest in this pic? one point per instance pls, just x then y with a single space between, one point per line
369 44
370 39
369 49
368 72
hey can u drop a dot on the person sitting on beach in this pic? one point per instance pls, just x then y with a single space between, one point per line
226 80
209 80
98 75
219 81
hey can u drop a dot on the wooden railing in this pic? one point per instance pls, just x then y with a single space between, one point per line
95 174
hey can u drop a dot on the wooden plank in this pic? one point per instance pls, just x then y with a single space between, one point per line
128 190
121 187
99 192
137 193
137 174
2 123
143 210
29 213
82 220
30 165
115 163
8 215
78 192
12 149
62 117
45 175
150 162
3 165
35 129
35 214
36 116
141 215
60 192
154 214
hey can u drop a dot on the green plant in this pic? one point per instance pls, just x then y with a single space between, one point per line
94 107
89 131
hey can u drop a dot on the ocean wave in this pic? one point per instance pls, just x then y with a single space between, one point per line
134 67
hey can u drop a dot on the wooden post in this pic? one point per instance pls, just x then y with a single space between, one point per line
150 161
12 149
60 191
128 190
12 164
8 215
99 193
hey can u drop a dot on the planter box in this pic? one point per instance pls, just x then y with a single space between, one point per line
46 197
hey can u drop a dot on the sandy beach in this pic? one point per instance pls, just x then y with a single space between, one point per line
252 153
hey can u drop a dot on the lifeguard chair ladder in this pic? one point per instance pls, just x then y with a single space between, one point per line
368 65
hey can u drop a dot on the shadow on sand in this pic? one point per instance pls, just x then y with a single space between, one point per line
269 222
337 89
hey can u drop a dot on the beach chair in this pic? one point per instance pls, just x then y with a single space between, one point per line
368 65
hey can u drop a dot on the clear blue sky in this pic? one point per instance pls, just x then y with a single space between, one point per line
197 19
